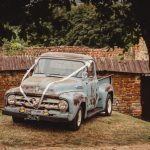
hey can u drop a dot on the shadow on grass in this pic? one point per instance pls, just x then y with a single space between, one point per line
58 127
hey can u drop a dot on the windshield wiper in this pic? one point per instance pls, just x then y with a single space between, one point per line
39 73
53 74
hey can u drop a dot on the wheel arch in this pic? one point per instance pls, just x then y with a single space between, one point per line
111 93
83 106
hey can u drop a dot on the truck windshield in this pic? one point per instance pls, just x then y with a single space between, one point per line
57 67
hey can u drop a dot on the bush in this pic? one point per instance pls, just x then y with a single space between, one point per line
16 43
13 45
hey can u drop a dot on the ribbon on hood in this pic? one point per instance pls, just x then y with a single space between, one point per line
87 64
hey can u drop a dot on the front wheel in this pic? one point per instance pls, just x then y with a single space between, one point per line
76 123
108 109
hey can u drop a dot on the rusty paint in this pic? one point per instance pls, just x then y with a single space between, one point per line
96 95
107 88
78 99
93 101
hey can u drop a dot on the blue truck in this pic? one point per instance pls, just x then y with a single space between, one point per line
60 87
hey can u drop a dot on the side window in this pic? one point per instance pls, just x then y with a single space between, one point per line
91 70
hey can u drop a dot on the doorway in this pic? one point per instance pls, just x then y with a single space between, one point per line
145 97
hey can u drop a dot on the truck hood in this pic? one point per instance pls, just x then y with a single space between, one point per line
37 85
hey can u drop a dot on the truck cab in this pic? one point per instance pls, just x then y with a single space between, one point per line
60 87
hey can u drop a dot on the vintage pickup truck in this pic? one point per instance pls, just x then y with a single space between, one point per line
60 87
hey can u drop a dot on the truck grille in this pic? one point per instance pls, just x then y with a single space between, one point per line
47 103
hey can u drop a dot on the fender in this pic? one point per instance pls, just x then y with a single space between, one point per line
74 99
104 89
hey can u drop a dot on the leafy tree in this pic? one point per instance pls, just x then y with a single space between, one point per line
48 22
139 12
117 22
28 15
85 29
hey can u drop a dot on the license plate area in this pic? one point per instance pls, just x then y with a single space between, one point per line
32 117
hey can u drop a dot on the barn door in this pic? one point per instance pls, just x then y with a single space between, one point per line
145 97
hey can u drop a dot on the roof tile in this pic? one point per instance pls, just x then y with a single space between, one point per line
11 63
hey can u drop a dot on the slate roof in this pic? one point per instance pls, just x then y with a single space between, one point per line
124 66
12 63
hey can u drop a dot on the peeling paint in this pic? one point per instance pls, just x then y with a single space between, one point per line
78 99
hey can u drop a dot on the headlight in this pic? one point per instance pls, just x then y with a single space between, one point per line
11 99
63 105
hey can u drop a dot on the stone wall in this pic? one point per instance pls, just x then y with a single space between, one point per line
127 93
9 80
140 51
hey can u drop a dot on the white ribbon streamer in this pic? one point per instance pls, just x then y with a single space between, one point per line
45 90
24 77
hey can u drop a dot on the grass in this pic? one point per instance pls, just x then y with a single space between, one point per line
98 131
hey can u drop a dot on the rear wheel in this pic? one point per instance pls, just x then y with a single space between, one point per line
17 120
76 123
108 109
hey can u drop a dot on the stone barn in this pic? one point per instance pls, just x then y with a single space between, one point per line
129 78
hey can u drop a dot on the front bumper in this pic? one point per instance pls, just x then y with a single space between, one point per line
33 114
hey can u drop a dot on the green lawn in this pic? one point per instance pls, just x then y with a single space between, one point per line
98 131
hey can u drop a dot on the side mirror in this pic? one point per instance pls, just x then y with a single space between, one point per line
84 75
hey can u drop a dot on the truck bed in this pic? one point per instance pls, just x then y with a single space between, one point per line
104 79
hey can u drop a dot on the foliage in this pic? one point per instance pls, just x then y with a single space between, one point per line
118 25
31 16
50 23
51 32
85 29
15 44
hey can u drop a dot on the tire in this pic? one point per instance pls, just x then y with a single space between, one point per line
77 121
17 120
108 109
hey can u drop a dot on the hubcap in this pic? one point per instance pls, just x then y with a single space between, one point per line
109 107
79 118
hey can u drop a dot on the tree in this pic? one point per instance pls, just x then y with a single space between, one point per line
28 13
140 10
117 22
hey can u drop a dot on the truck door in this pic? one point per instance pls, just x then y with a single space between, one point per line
92 91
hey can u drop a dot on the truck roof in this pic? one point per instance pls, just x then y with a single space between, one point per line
62 55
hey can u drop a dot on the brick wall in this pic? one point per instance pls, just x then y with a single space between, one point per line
103 52
137 52
127 92
9 80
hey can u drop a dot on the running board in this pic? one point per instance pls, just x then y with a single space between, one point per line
93 112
